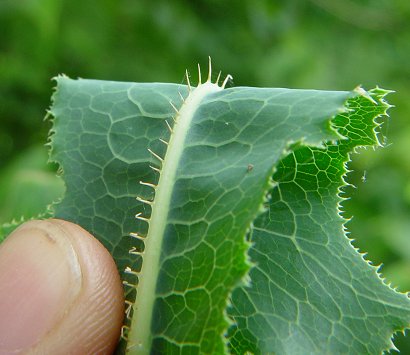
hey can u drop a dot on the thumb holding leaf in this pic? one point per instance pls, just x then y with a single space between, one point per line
60 292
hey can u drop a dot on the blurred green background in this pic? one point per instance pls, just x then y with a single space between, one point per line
322 44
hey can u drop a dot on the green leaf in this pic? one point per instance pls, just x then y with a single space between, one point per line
310 291
188 245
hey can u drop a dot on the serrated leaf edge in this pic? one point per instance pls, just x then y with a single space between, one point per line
377 96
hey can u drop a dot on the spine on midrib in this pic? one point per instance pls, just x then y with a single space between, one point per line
139 336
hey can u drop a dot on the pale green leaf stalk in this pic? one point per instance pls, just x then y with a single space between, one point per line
139 337
238 245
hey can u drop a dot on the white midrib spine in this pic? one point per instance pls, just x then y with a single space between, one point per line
139 337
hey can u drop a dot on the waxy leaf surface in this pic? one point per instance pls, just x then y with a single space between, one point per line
218 245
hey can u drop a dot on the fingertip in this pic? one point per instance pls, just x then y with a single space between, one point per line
84 291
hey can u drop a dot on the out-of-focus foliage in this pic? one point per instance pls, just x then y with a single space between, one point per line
296 43
26 186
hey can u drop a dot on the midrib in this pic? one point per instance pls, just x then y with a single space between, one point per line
139 336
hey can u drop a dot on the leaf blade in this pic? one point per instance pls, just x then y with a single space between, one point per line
214 168
332 302
236 138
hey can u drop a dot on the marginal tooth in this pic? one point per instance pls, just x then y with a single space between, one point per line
173 106
155 169
217 79
134 251
228 77
144 201
124 329
182 98
209 69
199 75
48 115
138 216
128 311
137 236
163 141
129 271
187 80
169 127
156 155
128 284
148 184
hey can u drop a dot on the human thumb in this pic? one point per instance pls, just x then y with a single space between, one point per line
60 292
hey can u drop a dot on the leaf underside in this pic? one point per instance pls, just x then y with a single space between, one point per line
311 292
245 264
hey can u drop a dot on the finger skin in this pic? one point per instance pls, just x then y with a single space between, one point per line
92 322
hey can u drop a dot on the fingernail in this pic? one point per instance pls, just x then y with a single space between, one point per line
40 277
